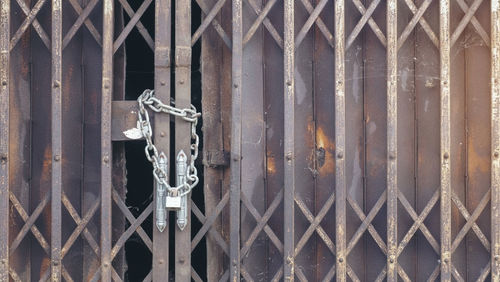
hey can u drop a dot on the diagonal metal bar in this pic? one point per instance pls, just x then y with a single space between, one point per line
86 233
367 13
209 221
367 17
134 22
473 20
218 28
315 223
130 217
82 18
13 274
314 18
262 16
484 274
267 23
29 225
471 220
417 16
207 20
134 226
195 276
423 23
29 222
419 221
81 224
465 21
30 18
211 232
262 223
366 223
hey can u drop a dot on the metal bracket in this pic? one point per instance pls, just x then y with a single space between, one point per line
161 193
215 159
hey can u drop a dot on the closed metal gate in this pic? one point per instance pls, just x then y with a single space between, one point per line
342 139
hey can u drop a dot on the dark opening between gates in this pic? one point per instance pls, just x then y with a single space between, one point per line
140 76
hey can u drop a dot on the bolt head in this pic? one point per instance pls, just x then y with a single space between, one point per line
446 155
57 158
496 154
105 159
4 82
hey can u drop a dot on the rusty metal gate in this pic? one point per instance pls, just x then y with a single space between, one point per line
342 139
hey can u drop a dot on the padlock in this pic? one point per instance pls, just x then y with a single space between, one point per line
173 202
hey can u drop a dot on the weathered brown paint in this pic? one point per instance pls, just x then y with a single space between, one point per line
260 27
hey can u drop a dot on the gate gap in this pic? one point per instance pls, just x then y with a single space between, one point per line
139 192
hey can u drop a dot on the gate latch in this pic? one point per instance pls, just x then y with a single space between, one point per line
169 198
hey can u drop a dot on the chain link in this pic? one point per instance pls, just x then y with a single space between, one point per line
147 99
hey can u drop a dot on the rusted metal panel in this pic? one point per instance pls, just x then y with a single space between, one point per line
4 139
289 146
106 148
340 146
495 140
162 125
445 203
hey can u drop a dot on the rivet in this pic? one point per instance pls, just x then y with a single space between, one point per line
235 262
235 158
340 155
288 83
181 81
341 260
162 83
160 261
497 258
106 85
445 82
3 261
56 84
391 260
289 156
106 264
236 86
4 82
495 154
392 156
445 260
105 159
495 80
446 156
162 134
57 158
3 158
181 260
339 82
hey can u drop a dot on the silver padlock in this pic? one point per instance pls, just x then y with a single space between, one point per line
173 201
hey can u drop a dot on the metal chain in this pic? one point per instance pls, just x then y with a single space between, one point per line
190 115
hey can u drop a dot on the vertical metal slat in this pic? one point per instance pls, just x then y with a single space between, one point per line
106 150
183 128
289 145
444 23
162 123
56 131
495 140
235 190
392 140
340 178
4 138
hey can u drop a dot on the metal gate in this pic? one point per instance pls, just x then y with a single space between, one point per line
342 139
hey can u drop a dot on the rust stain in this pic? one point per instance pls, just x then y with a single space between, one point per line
271 165
325 150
